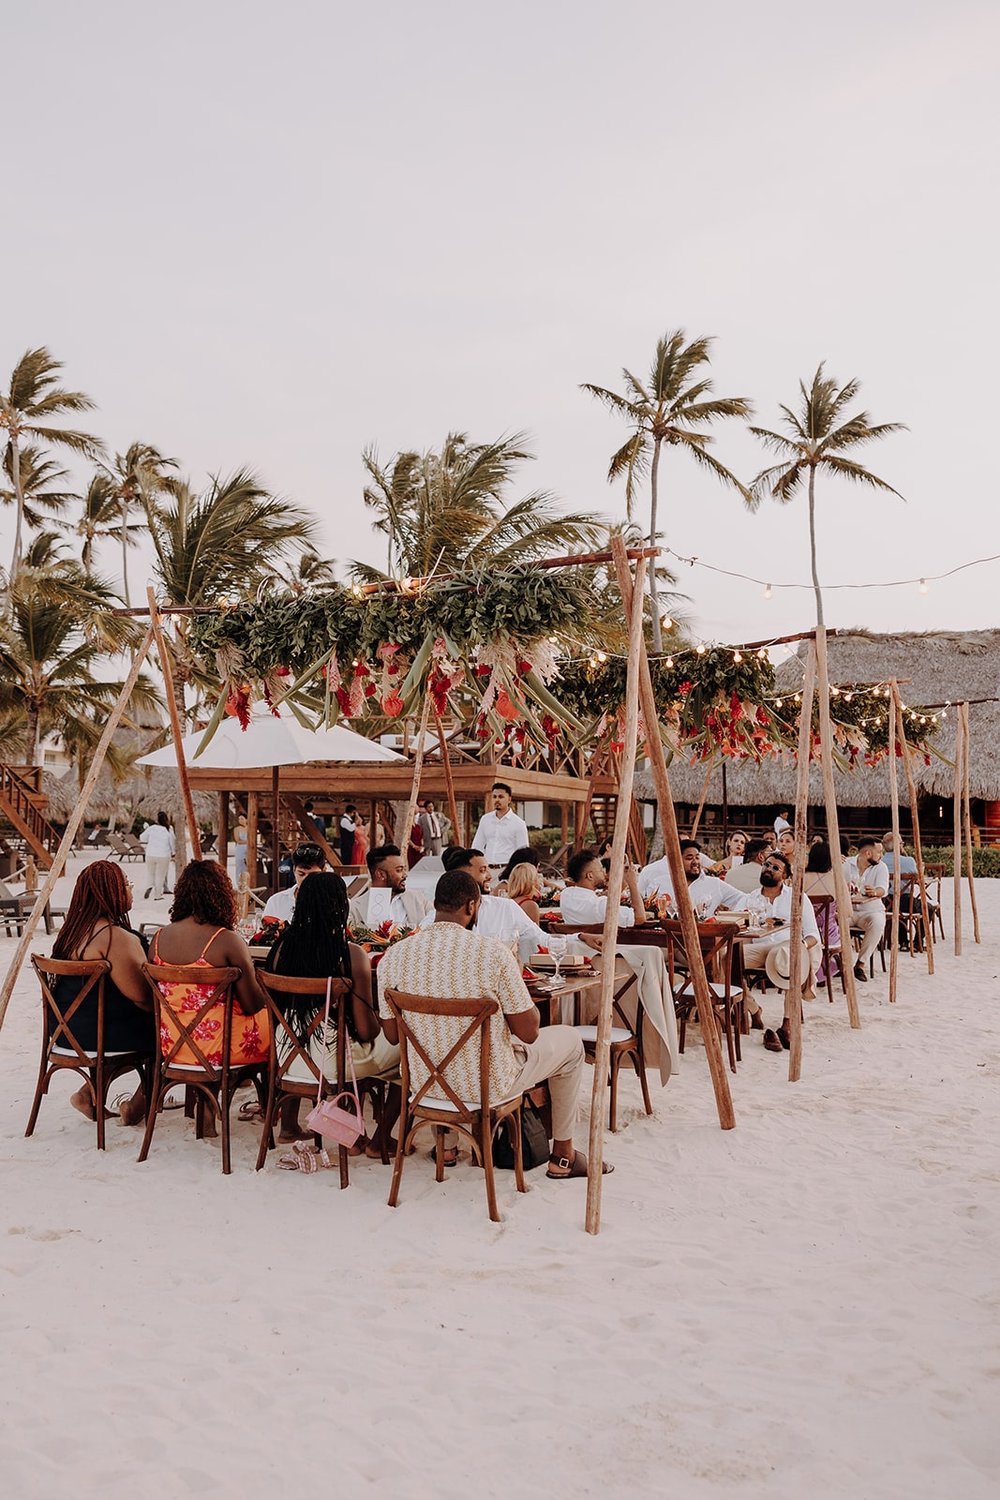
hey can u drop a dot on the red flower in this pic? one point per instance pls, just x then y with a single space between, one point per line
685 688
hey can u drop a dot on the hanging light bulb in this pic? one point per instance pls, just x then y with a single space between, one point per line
702 649
777 702
768 591
924 589
667 623
601 656
670 661
737 658
762 654
834 692
848 697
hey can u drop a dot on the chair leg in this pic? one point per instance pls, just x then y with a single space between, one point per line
267 1124
41 1089
157 1094
639 1062
613 1106
439 1153
491 1186
344 1164
397 1166
225 1095
519 1181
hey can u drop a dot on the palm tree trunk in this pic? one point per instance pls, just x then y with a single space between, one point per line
15 471
35 756
820 623
654 602
128 602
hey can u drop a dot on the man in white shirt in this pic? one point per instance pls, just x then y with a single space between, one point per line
497 916
583 902
707 892
781 822
387 899
306 859
161 846
501 831
775 903
868 880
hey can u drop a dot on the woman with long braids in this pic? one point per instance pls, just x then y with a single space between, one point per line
315 945
97 926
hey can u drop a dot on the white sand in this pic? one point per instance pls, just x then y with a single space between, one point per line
803 1307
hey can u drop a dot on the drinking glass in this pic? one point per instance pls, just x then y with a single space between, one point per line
557 947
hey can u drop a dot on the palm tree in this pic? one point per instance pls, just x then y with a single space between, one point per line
35 396
44 485
139 474
443 511
55 646
99 519
818 436
308 571
671 406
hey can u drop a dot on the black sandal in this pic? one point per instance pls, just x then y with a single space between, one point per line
577 1167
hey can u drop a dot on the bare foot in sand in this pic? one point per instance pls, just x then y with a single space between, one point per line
296 1133
83 1100
133 1111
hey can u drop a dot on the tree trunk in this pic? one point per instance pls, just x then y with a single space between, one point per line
35 756
15 473
128 602
654 601
820 621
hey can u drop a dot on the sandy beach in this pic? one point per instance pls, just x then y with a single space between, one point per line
805 1306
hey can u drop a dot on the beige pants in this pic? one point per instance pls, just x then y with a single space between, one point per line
556 1058
869 920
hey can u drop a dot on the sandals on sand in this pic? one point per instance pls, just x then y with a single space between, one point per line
577 1167
302 1158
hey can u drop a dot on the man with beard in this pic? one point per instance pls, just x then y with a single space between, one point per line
708 893
387 899
774 904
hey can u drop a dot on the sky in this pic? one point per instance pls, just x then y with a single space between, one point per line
268 236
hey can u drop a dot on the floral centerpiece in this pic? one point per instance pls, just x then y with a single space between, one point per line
268 932
377 940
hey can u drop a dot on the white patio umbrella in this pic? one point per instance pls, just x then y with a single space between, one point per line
274 742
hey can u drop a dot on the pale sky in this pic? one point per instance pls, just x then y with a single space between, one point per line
267 235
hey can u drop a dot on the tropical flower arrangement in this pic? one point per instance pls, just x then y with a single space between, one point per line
376 940
268 932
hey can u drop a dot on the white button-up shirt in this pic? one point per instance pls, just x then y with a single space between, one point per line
707 890
781 907
581 907
500 917
497 838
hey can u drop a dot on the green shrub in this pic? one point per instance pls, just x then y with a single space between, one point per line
985 862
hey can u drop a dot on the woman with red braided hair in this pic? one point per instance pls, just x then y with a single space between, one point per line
97 926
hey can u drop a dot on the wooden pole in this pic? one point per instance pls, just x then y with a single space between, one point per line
844 909
672 849
253 808
918 853
449 779
222 828
75 819
895 738
275 828
957 829
175 724
701 804
967 818
418 765
793 994
616 879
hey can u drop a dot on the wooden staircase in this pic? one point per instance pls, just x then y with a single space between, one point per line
21 806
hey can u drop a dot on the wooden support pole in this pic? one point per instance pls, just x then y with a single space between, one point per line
449 779
75 819
222 828
918 853
844 909
253 813
275 828
175 724
896 735
418 766
967 819
957 831
672 849
616 879
793 994
701 804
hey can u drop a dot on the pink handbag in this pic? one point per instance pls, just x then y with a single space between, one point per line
328 1116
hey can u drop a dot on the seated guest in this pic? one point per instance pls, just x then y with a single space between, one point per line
305 859
524 888
786 843
746 877
200 935
97 926
708 893
525 856
735 854
496 916
775 903
451 961
868 879
387 899
909 895
818 881
583 902
314 945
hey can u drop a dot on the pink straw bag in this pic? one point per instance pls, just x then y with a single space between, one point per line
328 1116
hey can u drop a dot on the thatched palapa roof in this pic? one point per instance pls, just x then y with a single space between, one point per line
933 667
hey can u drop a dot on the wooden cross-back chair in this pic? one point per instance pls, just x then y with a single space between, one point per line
911 912
61 1052
715 939
290 1048
475 1122
935 873
825 908
187 1059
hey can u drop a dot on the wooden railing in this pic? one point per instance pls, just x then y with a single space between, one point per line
19 805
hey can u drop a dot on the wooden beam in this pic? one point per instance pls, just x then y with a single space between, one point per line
72 825
175 724
967 819
793 994
449 778
418 764
222 827
844 909
253 812
918 852
896 736
957 833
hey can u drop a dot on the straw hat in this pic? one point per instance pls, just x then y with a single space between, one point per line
776 965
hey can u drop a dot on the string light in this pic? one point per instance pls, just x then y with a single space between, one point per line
737 658
768 591
890 583
667 623
923 586
670 661
702 649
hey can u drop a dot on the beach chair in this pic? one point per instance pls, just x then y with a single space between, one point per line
214 1084
477 1122
61 1052
16 906
290 1048
716 941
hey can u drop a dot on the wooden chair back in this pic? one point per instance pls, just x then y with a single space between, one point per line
219 983
715 940
288 1045
477 1014
57 1022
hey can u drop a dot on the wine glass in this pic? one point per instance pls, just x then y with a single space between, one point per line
557 947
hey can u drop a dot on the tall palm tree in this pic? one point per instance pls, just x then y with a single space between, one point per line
99 519
32 399
670 407
139 474
818 436
310 570
44 486
56 644
446 509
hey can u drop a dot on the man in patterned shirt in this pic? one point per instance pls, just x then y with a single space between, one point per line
448 961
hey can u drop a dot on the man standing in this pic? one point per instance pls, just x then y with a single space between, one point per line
432 829
387 899
868 879
781 822
347 831
501 831
450 961
306 859
775 904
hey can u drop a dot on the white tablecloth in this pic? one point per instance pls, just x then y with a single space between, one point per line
659 1035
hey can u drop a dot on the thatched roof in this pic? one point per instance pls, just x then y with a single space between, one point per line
142 794
934 667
